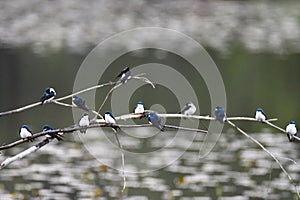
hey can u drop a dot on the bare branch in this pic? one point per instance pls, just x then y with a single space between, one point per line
248 119
63 104
280 129
25 153
72 106
185 129
144 79
276 127
17 110
123 159
85 90
268 152
97 125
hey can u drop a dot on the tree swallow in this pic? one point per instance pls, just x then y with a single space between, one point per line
48 95
188 109
110 119
156 121
220 114
83 122
260 115
80 103
52 135
25 132
291 131
124 75
139 108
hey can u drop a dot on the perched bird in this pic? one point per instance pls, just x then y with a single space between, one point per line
83 122
291 131
48 95
156 121
110 119
260 115
124 75
25 132
220 114
80 103
139 108
188 109
52 135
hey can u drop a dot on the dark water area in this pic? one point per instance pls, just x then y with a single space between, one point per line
236 169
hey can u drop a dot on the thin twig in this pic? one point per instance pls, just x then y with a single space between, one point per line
249 119
17 110
85 90
123 159
276 127
289 159
267 151
106 97
144 79
63 104
185 129
72 106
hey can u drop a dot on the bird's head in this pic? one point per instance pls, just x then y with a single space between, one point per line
26 127
109 113
47 127
219 108
75 97
85 114
189 103
50 90
260 110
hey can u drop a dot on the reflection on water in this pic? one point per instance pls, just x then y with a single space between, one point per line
236 169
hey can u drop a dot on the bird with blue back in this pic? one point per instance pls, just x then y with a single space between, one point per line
80 103
220 114
58 136
110 119
139 108
156 121
48 95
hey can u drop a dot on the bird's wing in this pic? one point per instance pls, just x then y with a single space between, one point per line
134 109
44 97
186 108
264 114
124 71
